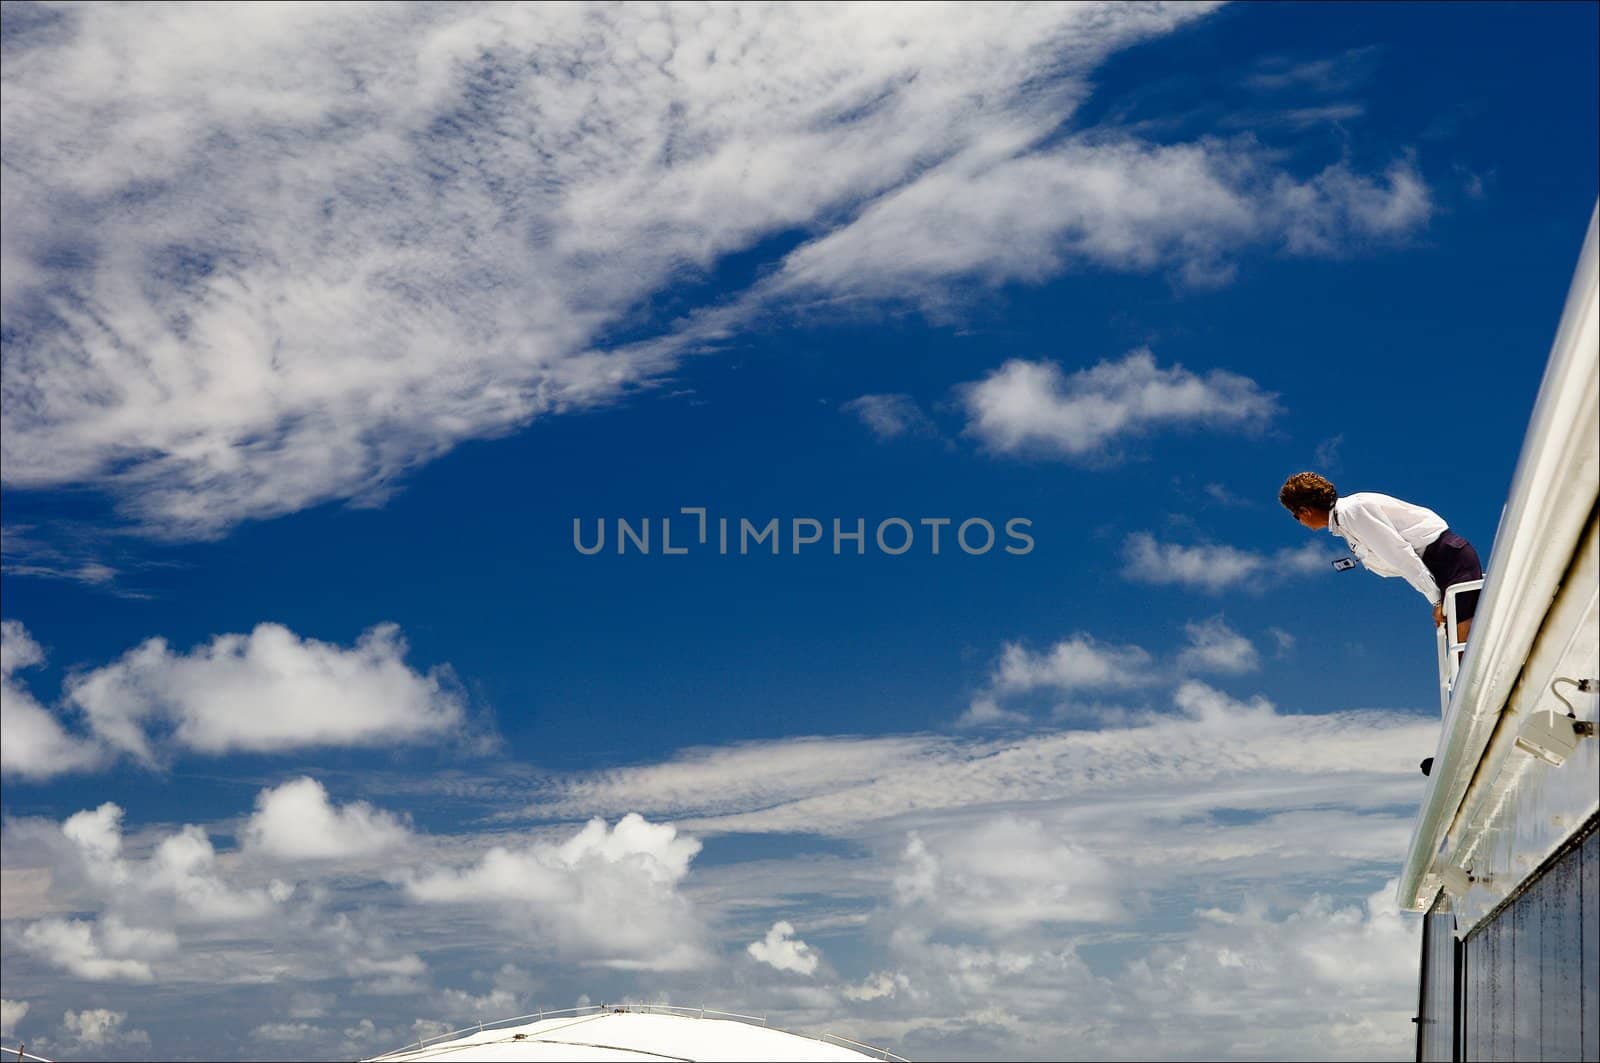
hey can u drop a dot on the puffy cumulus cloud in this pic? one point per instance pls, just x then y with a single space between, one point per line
17 648
101 951
100 1027
782 951
973 883
181 874
260 258
143 903
606 896
1075 663
33 742
1002 875
1216 567
1247 981
296 821
890 416
1213 646
1210 706
268 691
986 711
1348 968
12 1012
1034 408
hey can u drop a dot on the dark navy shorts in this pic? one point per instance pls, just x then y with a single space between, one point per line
1451 559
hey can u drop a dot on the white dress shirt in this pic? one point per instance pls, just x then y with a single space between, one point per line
1388 536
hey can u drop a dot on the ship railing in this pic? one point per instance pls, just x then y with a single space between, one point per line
17 1055
873 1050
1450 650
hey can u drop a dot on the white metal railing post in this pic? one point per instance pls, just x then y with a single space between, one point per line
1445 673
1450 650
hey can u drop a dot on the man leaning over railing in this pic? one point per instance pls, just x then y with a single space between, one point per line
1391 538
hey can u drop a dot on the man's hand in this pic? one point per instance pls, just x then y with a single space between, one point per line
1438 615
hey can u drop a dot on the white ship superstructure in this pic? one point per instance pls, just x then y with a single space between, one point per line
638 1031
1505 854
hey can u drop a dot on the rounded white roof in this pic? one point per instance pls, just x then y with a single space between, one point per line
630 1033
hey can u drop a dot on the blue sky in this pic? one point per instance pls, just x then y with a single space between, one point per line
323 325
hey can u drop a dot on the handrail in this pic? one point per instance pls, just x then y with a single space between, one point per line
1450 650
850 1042
17 1055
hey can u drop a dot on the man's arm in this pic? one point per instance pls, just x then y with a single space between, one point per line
1378 535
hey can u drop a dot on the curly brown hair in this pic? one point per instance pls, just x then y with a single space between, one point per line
1307 490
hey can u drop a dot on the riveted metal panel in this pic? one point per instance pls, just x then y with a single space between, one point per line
1531 968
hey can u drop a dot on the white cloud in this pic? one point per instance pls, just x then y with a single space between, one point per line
1327 453
268 691
1349 969
1002 210
711 779
99 1027
1213 646
1221 494
286 1032
604 896
1214 566
890 416
1073 665
782 951
977 884
260 258
877 986
1243 981
145 903
985 711
33 743
12 1012
1205 750
1002 875
1032 407
90 951
460 1006
1076 663
1211 706
181 876
296 821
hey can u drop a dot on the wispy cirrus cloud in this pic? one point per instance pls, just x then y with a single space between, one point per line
261 258
890 416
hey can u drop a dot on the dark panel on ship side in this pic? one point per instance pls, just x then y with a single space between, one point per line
1530 982
1561 1005
1527 973
1590 917
1436 997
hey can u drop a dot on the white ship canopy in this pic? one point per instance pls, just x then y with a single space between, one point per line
641 1032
